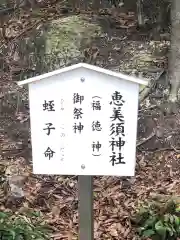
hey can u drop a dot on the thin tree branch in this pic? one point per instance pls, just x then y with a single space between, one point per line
145 140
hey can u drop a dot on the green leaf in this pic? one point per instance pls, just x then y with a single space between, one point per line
170 230
159 224
36 214
3 215
171 219
150 222
166 217
148 233
140 230
176 221
160 229
13 234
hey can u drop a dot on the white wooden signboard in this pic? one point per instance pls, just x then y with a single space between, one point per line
83 121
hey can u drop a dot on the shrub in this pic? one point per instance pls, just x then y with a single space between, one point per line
22 227
158 220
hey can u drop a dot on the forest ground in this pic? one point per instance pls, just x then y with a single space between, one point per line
123 48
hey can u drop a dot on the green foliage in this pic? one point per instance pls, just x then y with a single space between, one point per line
158 220
21 227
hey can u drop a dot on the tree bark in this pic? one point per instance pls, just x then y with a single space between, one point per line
174 54
140 14
19 3
96 5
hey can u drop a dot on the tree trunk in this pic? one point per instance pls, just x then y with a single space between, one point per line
96 5
19 3
174 55
140 14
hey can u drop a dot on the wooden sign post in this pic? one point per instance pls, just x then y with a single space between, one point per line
84 122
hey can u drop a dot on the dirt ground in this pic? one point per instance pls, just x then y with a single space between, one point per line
122 48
